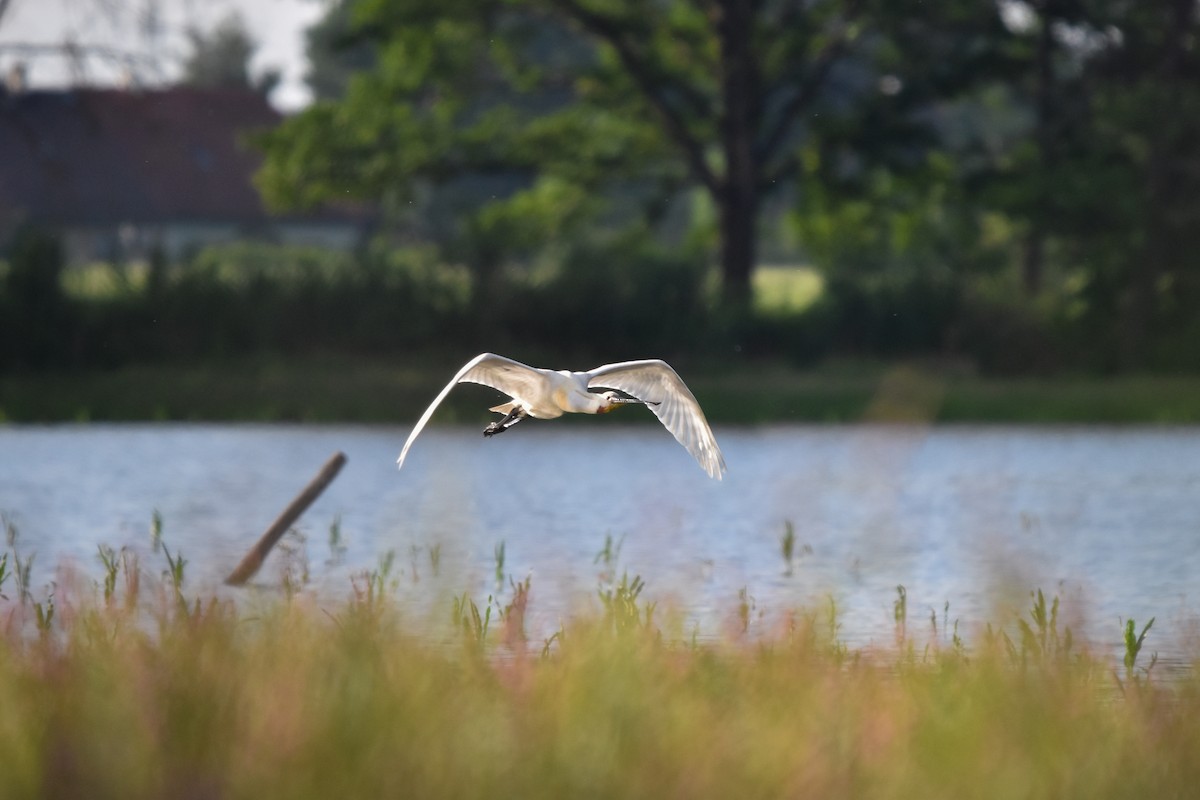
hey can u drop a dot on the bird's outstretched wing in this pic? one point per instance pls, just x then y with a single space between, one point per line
654 382
511 377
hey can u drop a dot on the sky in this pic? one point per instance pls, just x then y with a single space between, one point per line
153 33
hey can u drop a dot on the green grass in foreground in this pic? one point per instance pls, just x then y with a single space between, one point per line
333 389
128 687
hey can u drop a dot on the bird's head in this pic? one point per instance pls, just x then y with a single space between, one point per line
609 401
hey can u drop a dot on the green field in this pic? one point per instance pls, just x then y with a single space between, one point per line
336 388
332 389
127 685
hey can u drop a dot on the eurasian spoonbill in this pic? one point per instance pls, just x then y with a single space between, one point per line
546 394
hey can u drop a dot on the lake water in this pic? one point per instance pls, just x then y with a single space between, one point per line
1106 518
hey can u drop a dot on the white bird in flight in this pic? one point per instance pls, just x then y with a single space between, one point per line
546 394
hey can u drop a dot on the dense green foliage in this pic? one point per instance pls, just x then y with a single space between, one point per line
1009 186
1018 179
249 299
618 298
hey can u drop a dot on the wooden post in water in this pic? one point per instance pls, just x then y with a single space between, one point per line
254 559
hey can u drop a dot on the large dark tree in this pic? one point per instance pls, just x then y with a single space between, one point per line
727 83
1147 146
716 93
1109 172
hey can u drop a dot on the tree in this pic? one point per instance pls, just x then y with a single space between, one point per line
36 315
726 84
1105 175
221 58
1054 41
1146 148
334 53
714 94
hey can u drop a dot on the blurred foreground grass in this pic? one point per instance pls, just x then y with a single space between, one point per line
361 389
130 687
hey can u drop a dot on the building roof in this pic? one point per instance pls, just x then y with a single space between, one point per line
113 156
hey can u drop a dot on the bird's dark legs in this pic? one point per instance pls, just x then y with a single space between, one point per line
501 425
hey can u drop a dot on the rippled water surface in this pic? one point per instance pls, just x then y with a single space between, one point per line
1107 518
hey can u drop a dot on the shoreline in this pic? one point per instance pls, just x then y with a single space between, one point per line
363 390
